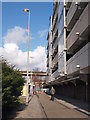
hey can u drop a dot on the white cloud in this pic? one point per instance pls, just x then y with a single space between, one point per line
17 35
42 33
12 53
16 57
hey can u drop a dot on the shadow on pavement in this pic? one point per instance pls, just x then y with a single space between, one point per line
75 102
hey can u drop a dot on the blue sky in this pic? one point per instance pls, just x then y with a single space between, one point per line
13 15
15 33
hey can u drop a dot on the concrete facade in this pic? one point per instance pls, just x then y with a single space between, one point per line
49 51
70 46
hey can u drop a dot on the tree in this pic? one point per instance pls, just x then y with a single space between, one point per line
12 83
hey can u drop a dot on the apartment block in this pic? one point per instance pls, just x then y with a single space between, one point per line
70 49
49 52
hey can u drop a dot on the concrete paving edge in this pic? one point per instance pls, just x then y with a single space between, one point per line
70 106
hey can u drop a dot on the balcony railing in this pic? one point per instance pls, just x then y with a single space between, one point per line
55 44
55 74
55 60
71 12
74 13
55 30
55 15
80 27
80 58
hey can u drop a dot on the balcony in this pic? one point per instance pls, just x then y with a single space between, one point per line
54 22
55 51
74 13
81 27
55 74
55 60
55 30
55 44
54 66
80 58
55 36
55 16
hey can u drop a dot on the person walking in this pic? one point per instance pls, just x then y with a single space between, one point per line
52 91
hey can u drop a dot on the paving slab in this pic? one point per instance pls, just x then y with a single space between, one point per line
55 110
73 103
33 110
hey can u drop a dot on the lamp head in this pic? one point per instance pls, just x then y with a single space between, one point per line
77 66
77 33
26 10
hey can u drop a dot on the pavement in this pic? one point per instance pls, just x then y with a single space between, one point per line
33 110
74 104
40 106
54 109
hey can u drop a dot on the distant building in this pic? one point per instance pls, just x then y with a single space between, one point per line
37 79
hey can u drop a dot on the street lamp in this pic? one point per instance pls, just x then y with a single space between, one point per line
30 83
27 88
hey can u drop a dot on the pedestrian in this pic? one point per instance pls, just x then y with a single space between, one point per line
52 91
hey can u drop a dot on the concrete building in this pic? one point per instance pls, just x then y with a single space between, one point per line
49 52
55 41
70 46
52 45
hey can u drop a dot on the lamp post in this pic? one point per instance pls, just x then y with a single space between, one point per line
27 86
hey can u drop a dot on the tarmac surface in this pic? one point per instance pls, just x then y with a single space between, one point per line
54 109
41 107
33 110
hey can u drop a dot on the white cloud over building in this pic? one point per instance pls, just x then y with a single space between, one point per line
12 53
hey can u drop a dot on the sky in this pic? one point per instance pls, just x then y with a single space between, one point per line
15 33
